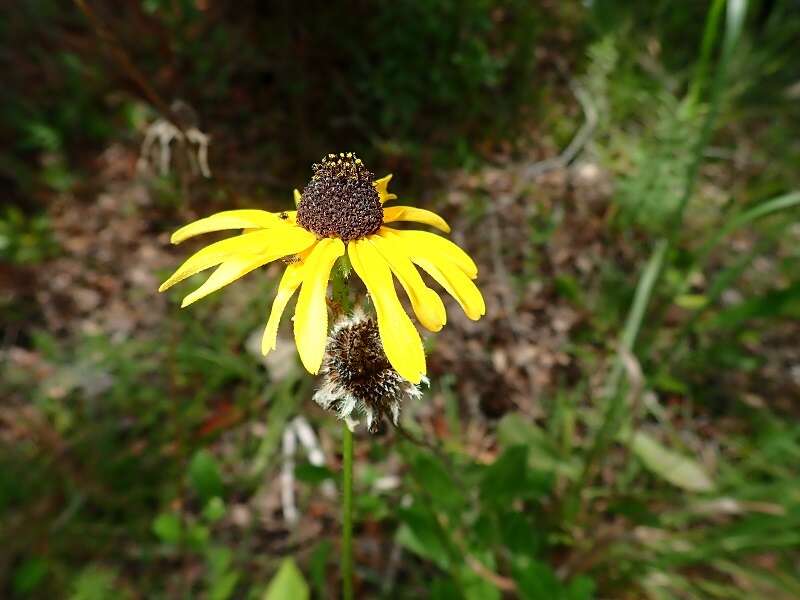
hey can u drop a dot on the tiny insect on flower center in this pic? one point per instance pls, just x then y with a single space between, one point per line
340 200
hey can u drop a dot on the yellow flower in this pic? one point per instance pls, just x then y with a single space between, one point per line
340 209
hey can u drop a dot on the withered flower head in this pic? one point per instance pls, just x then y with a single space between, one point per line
358 378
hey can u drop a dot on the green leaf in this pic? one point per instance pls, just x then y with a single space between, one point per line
543 455
198 536
513 430
222 580
204 475
581 588
536 581
94 583
675 468
219 559
29 575
509 477
444 589
287 584
774 304
746 217
568 287
168 528
419 533
691 301
518 533
214 509
318 566
312 474
224 586
475 587
435 479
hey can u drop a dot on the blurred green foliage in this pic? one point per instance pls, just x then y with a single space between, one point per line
25 239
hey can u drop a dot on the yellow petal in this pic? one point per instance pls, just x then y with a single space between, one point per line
229 219
399 337
297 197
382 185
433 247
426 303
291 280
457 284
311 312
229 271
418 215
268 244
214 254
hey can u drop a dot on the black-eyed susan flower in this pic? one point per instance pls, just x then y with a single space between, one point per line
357 379
340 210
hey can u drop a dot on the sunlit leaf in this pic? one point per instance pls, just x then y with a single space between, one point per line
287 584
677 469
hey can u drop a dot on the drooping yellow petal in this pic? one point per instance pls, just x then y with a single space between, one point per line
214 254
297 197
291 280
434 247
228 272
229 219
268 244
426 303
311 312
382 185
399 337
418 215
457 284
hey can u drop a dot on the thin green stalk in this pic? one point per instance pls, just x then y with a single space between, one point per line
341 298
706 48
744 218
615 396
734 21
347 513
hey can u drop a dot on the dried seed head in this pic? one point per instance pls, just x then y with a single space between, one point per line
357 376
340 200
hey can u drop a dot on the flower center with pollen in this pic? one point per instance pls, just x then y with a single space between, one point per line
340 200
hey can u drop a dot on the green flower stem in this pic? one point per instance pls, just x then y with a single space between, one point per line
340 289
341 297
347 513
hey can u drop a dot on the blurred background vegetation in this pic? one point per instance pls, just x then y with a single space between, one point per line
622 423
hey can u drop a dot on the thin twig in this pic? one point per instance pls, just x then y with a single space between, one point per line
502 583
570 153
